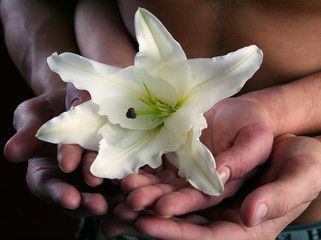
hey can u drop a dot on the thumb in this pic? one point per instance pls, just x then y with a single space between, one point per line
16 150
252 147
28 118
292 181
277 199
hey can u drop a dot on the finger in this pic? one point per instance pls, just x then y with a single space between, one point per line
189 199
134 181
16 149
124 213
69 156
94 202
39 109
87 160
276 199
170 229
146 196
251 148
295 162
45 181
28 118
148 176
183 229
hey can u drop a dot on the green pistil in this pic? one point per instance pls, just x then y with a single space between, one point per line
160 109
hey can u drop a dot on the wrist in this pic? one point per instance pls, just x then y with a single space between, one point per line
294 107
269 101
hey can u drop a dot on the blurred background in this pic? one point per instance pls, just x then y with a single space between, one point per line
22 215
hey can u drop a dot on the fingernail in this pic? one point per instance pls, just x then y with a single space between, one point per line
138 209
224 174
260 213
164 217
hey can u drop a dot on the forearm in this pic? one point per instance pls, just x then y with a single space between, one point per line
35 29
294 107
101 34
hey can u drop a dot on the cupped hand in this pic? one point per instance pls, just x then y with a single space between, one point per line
281 193
45 179
240 136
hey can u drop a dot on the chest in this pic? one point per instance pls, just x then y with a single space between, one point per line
288 32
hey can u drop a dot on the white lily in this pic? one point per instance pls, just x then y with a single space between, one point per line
155 107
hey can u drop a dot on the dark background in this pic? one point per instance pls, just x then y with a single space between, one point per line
21 214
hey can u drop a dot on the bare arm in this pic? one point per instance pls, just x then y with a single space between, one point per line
101 34
295 107
34 29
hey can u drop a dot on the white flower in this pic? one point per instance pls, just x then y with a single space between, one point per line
155 107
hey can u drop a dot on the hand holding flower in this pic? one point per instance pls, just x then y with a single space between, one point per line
239 134
294 161
166 96
44 177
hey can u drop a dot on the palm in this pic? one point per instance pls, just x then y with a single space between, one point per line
239 134
295 161
241 141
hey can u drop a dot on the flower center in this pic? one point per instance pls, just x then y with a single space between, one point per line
159 108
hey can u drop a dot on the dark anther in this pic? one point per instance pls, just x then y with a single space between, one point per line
131 113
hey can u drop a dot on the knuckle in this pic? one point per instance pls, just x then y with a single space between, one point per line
19 113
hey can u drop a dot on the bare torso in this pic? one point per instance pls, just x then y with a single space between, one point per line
288 32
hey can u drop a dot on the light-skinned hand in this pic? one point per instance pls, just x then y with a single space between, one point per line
261 213
240 136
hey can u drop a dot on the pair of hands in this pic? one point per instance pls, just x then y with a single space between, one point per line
240 131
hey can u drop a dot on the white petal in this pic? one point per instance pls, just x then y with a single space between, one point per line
114 90
84 73
178 75
123 151
196 163
162 90
126 94
221 77
156 44
79 125
107 85
123 94
212 80
183 119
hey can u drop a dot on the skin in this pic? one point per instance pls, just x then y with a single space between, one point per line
270 110
45 28
294 160
216 29
31 38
